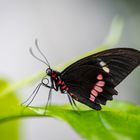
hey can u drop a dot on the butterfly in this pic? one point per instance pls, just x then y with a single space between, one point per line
92 79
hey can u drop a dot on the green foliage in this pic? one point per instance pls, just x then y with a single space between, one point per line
118 120
8 104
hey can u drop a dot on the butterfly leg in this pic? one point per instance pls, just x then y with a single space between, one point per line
48 100
72 102
33 94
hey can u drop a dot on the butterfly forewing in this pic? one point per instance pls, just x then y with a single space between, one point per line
92 79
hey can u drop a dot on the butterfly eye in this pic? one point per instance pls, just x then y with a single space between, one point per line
48 71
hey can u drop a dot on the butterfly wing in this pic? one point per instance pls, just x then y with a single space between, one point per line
92 79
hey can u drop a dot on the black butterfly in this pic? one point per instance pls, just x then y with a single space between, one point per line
92 80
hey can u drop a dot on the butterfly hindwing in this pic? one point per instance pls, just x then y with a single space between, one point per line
92 79
83 85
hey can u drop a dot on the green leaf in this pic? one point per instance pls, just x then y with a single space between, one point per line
8 103
118 120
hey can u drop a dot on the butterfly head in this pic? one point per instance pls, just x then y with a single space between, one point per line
49 71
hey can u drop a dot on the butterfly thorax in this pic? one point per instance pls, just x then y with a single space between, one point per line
56 81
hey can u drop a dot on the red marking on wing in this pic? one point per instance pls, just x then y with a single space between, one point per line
94 92
97 88
100 83
100 77
92 98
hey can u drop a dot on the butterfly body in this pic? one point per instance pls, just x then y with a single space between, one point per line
57 82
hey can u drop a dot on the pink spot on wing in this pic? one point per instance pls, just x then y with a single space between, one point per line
92 98
98 89
100 77
100 83
94 92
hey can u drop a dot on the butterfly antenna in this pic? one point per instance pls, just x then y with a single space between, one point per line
37 46
31 52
